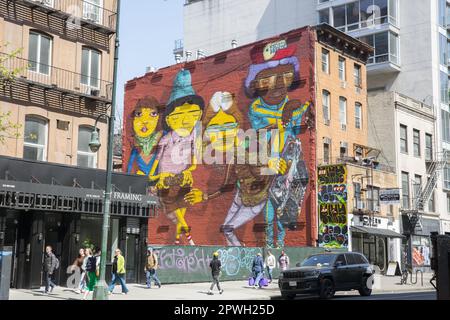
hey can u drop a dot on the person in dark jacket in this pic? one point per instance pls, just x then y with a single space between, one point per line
50 266
258 270
215 266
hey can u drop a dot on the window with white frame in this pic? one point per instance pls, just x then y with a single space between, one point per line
85 157
445 123
343 113
447 178
405 190
428 147
39 52
93 10
90 68
326 106
342 72
358 115
403 138
416 142
325 61
35 139
357 75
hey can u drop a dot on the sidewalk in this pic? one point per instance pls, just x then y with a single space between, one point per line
236 290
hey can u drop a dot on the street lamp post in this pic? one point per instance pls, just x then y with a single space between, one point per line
101 289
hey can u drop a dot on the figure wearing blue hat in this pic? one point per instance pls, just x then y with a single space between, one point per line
176 156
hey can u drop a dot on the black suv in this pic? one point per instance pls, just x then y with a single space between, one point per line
326 273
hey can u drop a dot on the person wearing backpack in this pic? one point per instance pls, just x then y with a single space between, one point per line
118 272
51 264
91 272
150 268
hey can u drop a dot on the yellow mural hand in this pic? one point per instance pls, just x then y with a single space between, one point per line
188 180
278 165
162 180
194 197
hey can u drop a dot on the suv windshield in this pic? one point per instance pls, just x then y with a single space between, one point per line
320 260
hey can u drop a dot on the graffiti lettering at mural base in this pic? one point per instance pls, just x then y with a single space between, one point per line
333 218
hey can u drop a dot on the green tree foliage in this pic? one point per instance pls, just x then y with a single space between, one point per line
8 129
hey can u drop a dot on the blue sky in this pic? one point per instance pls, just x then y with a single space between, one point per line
148 30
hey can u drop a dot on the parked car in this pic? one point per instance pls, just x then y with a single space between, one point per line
326 273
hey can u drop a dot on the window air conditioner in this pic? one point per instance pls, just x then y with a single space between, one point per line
343 84
343 126
327 122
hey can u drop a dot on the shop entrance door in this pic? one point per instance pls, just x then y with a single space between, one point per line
53 238
132 257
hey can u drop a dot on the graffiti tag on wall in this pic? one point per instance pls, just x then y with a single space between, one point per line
185 260
333 218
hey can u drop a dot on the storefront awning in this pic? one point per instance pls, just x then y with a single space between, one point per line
377 232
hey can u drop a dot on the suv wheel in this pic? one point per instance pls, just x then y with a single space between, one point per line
326 289
288 296
364 290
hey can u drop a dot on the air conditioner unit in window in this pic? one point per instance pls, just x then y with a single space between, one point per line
327 122
343 126
343 84
95 92
360 205
91 16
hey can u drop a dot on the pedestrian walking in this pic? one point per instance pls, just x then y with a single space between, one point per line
91 266
118 272
283 260
215 266
150 269
258 270
271 263
79 264
51 264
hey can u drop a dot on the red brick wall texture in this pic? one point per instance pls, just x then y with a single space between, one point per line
270 60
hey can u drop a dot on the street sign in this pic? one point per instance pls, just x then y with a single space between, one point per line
390 196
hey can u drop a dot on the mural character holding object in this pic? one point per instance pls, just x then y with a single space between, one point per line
274 72
176 158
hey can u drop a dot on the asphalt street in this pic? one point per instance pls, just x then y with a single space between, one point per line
379 296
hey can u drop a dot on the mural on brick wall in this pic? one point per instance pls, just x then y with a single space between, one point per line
231 152
332 196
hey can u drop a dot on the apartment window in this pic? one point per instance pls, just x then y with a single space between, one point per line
326 151
358 115
326 106
448 203
445 125
443 13
447 178
417 185
343 150
403 138
431 203
357 190
405 190
324 16
443 47
93 10
428 147
40 52
325 61
385 45
343 112
416 142
85 157
373 198
444 87
357 75
339 17
90 68
342 75
35 139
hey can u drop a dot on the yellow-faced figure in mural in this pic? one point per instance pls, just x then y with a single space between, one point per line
222 122
146 133
176 158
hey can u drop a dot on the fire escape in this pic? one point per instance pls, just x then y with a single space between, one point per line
424 193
